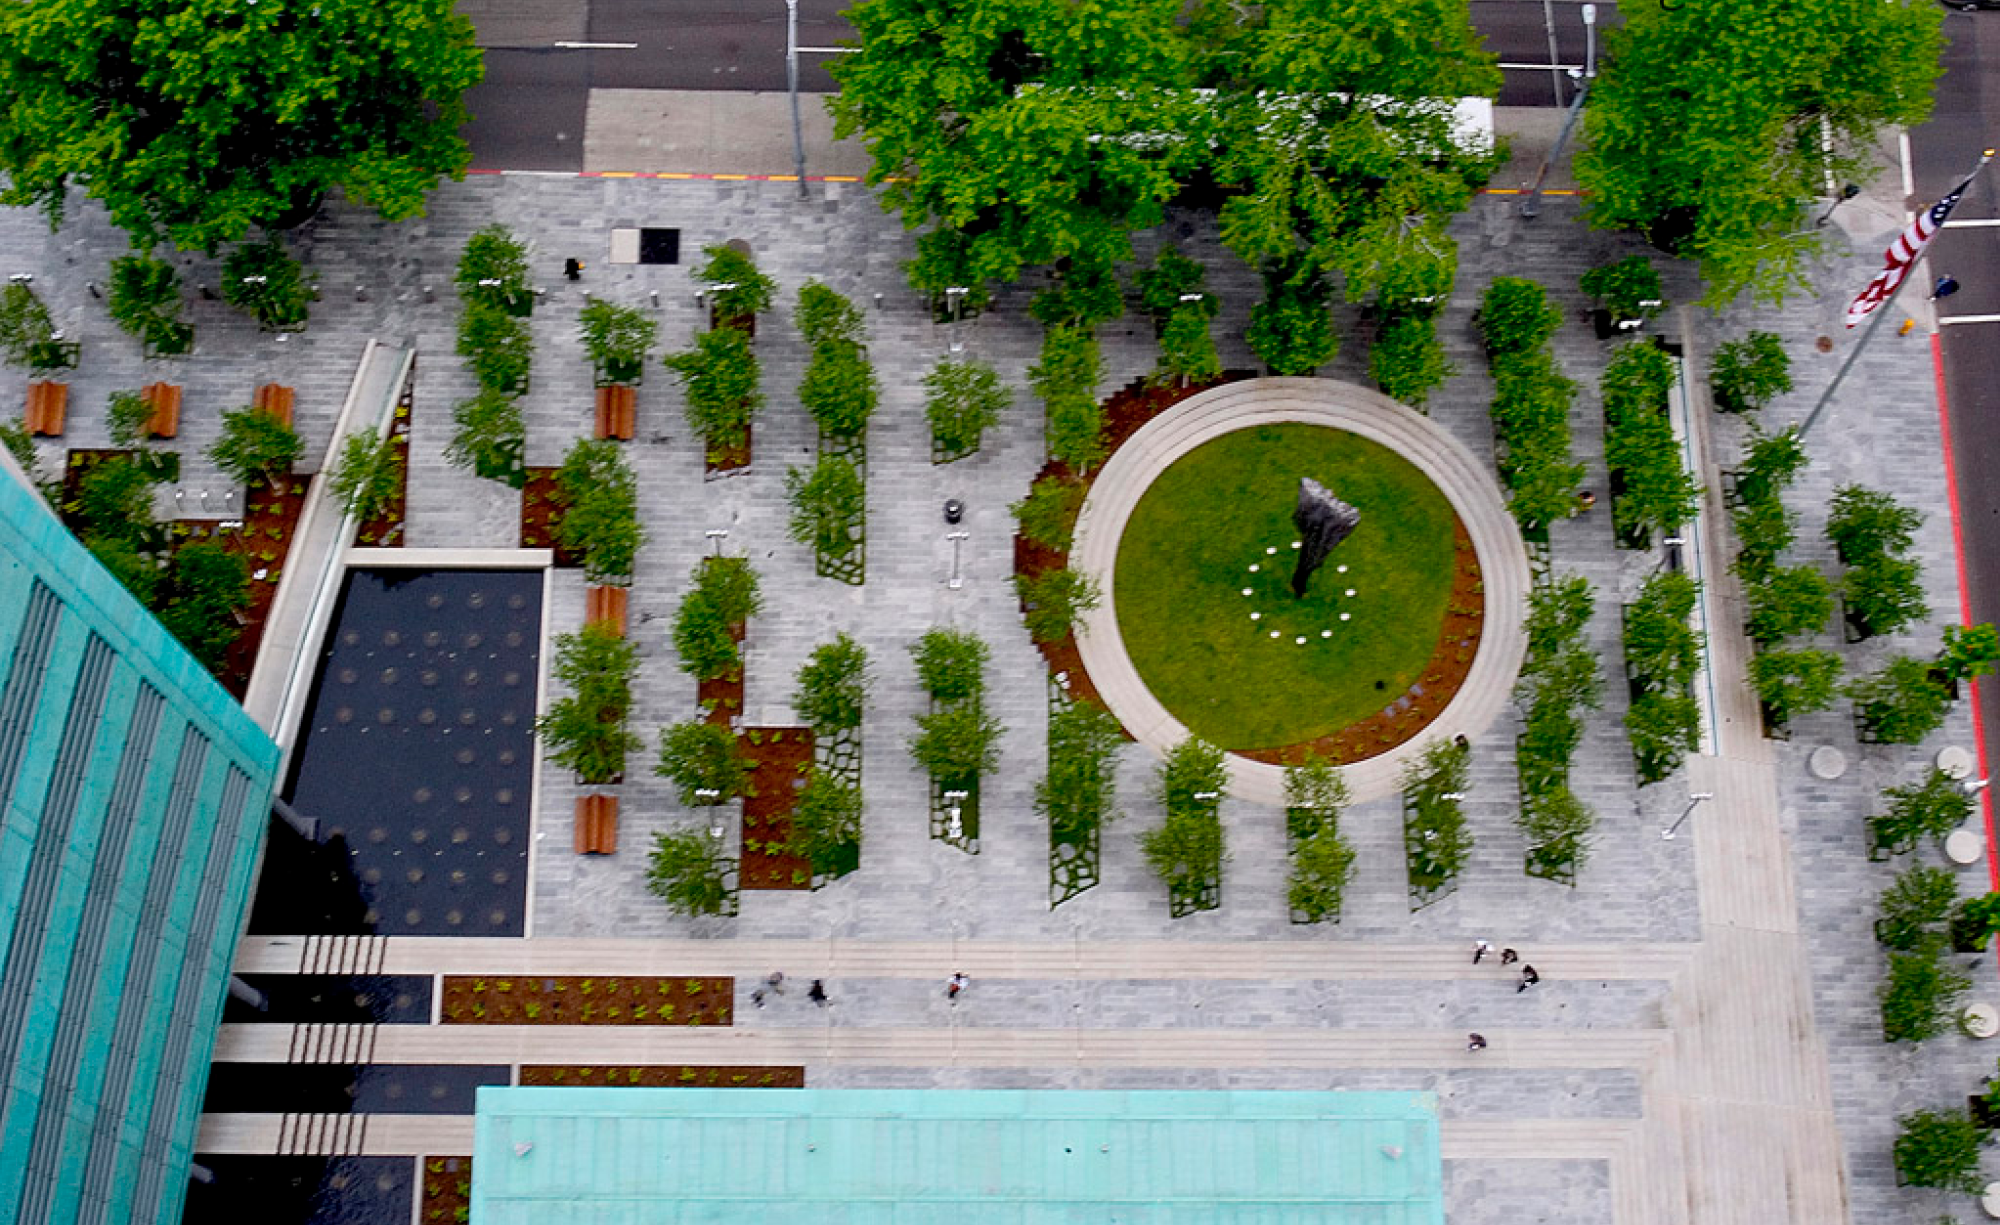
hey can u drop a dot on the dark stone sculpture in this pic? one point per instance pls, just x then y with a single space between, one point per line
1323 522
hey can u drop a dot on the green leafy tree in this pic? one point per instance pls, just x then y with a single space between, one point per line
826 824
1969 651
951 664
256 446
1747 374
733 587
206 587
1915 907
1053 600
128 415
1558 611
1939 1148
489 437
585 729
1865 522
600 519
1664 728
698 756
829 501
1048 514
1921 994
1556 826
1066 377
1628 288
1902 703
957 743
493 271
1764 530
1795 681
20 444
1770 464
27 331
832 688
1516 316
368 476
262 280
702 638
195 123
1975 922
619 339
720 374
1793 600
736 288
840 390
1883 594
114 500
826 317
962 400
1407 360
1930 809
144 299
1661 649
137 572
498 346
1711 122
689 872
1437 842
1291 331
1187 852
1174 292
1322 861
1076 794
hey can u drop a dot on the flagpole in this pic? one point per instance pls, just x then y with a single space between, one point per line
1881 312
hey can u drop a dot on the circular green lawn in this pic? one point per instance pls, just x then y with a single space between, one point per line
1218 522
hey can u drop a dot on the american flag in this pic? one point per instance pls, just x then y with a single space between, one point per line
1902 254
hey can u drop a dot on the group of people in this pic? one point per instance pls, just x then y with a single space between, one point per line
774 984
1508 957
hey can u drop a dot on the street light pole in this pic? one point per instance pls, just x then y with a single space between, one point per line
1694 801
1528 206
792 87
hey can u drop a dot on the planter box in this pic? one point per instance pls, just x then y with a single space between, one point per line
605 606
596 824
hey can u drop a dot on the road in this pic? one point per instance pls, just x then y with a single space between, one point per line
529 112
1967 118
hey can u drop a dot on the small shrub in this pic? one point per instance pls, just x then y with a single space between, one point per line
494 254
1516 316
1291 329
839 390
114 500
137 572
619 339
263 281
585 730
1085 294
256 446
1939 1148
1764 530
832 688
1437 843
1770 464
702 639
1915 907
1629 288
1920 994
206 586
688 872
1187 347
1053 600
26 329
1969 651
1557 827
951 664
826 824
736 287
1861 522
20 444
962 400
1794 600
1048 514
1664 728
698 756
1076 794
144 299
498 347
1795 682
732 585
128 417
828 502
1066 378
957 743
1407 360
1187 852
1930 809
601 518
1902 703
825 317
1975 922
489 437
1883 594
1747 374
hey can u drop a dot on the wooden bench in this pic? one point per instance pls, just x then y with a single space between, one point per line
605 606
275 400
597 825
617 412
48 404
165 401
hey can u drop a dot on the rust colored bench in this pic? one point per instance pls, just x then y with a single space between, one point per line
165 401
617 412
48 404
605 606
596 824
275 400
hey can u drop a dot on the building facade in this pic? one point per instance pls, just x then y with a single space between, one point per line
134 793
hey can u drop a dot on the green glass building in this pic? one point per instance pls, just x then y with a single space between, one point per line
134 793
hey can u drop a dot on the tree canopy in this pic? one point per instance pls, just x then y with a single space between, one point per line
1032 132
194 120
1713 120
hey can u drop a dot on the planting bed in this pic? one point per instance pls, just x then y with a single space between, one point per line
666 1076
780 756
386 529
447 1191
575 1000
541 512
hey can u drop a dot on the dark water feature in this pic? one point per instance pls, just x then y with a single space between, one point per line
416 758
304 1191
328 999
317 1088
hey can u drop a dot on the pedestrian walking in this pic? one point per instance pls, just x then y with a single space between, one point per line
776 982
1508 957
1479 950
817 993
1475 1042
1528 979
955 985
1946 286
573 269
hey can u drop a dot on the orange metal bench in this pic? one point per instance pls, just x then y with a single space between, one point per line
617 412
165 401
48 405
596 824
275 400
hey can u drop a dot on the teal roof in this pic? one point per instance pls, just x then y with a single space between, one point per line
979 1157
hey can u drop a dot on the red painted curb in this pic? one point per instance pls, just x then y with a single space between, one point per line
1964 593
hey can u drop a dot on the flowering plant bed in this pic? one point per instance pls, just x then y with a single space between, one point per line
666 1076
781 758
541 512
576 1000
447 1190
385 531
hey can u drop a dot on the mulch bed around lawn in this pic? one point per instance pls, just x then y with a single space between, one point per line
1458 640
781 755
575 1000
541 511
666 1076
447 1193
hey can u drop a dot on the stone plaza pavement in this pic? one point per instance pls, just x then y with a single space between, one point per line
1704 1046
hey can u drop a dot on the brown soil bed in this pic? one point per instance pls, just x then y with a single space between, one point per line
1411 712
1399 722
574 1000
666 1076
721 699
385 531
718 460
781 756
447 1191
541 512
